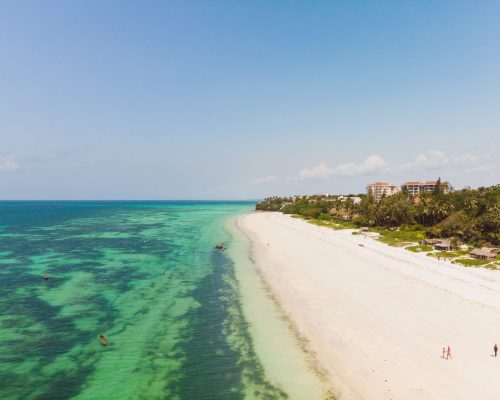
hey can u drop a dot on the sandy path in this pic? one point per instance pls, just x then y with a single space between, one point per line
377 317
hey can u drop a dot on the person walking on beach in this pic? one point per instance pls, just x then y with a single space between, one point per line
495 349
448 353
444 353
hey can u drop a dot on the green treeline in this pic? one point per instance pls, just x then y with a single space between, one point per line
471 215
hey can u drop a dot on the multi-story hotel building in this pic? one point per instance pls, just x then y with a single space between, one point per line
430 186
379 189
415 188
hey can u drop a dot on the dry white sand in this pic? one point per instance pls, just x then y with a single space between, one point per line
377 317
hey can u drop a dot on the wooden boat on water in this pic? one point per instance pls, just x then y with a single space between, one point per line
103 340
219 246
46 276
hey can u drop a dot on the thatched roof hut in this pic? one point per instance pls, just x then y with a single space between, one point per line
485 253
431 241
443 245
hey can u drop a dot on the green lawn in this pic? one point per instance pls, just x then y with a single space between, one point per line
449 254
471 262
398 238
333 224
420 248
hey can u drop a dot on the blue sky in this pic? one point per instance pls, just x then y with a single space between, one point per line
243 99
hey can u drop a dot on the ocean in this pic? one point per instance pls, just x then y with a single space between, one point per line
183 319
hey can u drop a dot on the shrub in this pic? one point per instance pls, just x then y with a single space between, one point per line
469 262
311 213
434 232
325 217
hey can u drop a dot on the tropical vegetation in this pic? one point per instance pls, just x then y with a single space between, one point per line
466 215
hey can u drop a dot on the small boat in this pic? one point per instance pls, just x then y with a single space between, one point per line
103 340
219 246
46 276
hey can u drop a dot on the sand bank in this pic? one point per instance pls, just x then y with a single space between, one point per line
377 317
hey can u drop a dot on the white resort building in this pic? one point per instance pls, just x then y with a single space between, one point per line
355 199
415 187
379 189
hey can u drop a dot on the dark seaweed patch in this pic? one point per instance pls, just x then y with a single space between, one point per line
212 368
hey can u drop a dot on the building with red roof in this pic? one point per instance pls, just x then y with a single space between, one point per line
379 189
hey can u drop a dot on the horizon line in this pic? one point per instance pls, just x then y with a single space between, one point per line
211 200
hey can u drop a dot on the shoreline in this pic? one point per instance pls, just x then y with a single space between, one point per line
376 317
276 344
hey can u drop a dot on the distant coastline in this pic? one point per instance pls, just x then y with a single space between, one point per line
460 223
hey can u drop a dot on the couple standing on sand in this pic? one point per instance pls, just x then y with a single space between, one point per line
446 353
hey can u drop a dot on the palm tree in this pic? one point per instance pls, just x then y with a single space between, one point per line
424 208
348 206
338 205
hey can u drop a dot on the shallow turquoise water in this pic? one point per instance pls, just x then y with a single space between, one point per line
146 275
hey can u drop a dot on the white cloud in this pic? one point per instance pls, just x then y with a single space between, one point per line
478 168
472 163
8 163
467 159
373 163
433 160
322 170
265 179
430 160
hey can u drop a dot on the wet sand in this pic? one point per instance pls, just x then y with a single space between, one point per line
277 346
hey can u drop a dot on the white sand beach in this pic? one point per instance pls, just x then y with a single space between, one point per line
377 317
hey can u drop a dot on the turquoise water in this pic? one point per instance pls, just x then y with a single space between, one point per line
145 274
